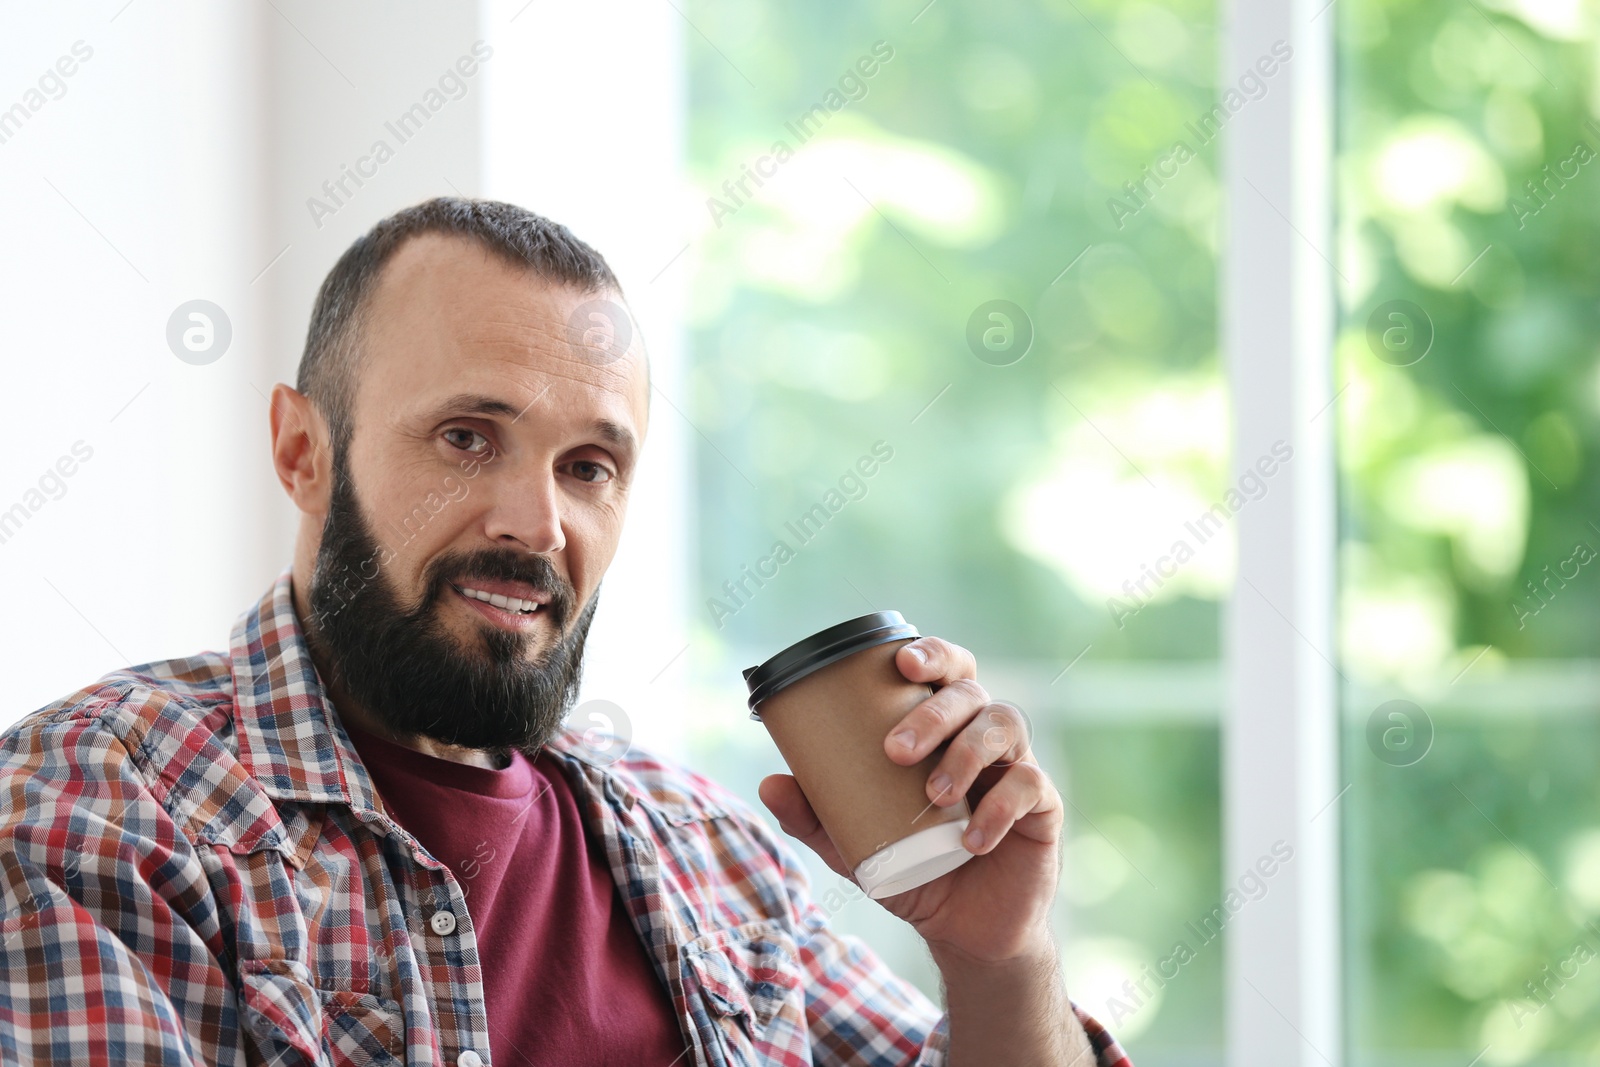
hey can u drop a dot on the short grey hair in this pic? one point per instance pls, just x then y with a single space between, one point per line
520 238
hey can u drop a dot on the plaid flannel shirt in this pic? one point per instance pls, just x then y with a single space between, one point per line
195 869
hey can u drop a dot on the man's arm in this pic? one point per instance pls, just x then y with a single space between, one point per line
1018 1012
987 922
861 1014
995 1014
100 960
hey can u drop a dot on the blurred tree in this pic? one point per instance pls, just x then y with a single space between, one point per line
873 178
1468 178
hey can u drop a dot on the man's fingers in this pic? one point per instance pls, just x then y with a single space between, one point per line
1024 790
783 797
997 735
929 724
935 661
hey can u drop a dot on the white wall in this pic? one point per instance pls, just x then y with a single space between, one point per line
136 190
177 164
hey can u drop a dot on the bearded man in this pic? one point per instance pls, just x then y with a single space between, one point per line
364 834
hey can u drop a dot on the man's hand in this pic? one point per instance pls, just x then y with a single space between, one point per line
987 922
995 907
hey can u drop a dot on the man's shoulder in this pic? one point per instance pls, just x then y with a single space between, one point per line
137 705
154 723
155 736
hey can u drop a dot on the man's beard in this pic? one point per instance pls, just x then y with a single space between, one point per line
405 667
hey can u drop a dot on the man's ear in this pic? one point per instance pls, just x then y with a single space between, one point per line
301 450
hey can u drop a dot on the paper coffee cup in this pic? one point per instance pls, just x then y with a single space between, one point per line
829 703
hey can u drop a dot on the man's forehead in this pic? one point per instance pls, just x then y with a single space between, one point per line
449 314
459 281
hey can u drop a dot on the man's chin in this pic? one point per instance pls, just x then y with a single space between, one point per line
479 641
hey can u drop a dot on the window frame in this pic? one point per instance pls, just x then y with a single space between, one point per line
1281 778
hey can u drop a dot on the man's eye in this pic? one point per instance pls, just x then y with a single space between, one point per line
590 472
467 440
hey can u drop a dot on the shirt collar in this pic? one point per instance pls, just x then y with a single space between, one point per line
292 741
289 737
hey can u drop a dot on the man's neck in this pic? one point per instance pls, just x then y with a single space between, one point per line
351 712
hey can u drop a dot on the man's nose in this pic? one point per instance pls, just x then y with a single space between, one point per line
526 511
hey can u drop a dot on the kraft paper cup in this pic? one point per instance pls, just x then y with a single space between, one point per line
829 702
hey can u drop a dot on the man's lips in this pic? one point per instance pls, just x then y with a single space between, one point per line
498 591
506 617
509 605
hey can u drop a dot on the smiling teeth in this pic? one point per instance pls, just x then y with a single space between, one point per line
513 604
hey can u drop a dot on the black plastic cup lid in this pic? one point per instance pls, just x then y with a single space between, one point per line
822 648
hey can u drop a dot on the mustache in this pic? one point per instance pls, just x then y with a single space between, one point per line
504 566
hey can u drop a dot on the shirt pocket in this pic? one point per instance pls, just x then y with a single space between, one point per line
288 1020
753 989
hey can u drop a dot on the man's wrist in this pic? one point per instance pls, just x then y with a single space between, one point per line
1011 1010
1038 950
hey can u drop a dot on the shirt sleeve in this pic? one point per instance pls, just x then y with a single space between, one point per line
108 938
859 1012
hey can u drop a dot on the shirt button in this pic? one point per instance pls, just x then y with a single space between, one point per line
469 1058
443 922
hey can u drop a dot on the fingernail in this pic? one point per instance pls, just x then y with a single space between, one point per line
940 784
919 652
974 838
906 739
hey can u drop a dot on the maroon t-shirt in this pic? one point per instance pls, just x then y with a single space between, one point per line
566 978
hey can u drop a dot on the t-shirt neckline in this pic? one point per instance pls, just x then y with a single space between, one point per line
508 783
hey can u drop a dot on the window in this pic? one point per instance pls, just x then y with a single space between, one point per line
884 191
1467 595
1065 273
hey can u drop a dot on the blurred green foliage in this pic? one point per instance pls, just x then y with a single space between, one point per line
986 159
1466 476
831 308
